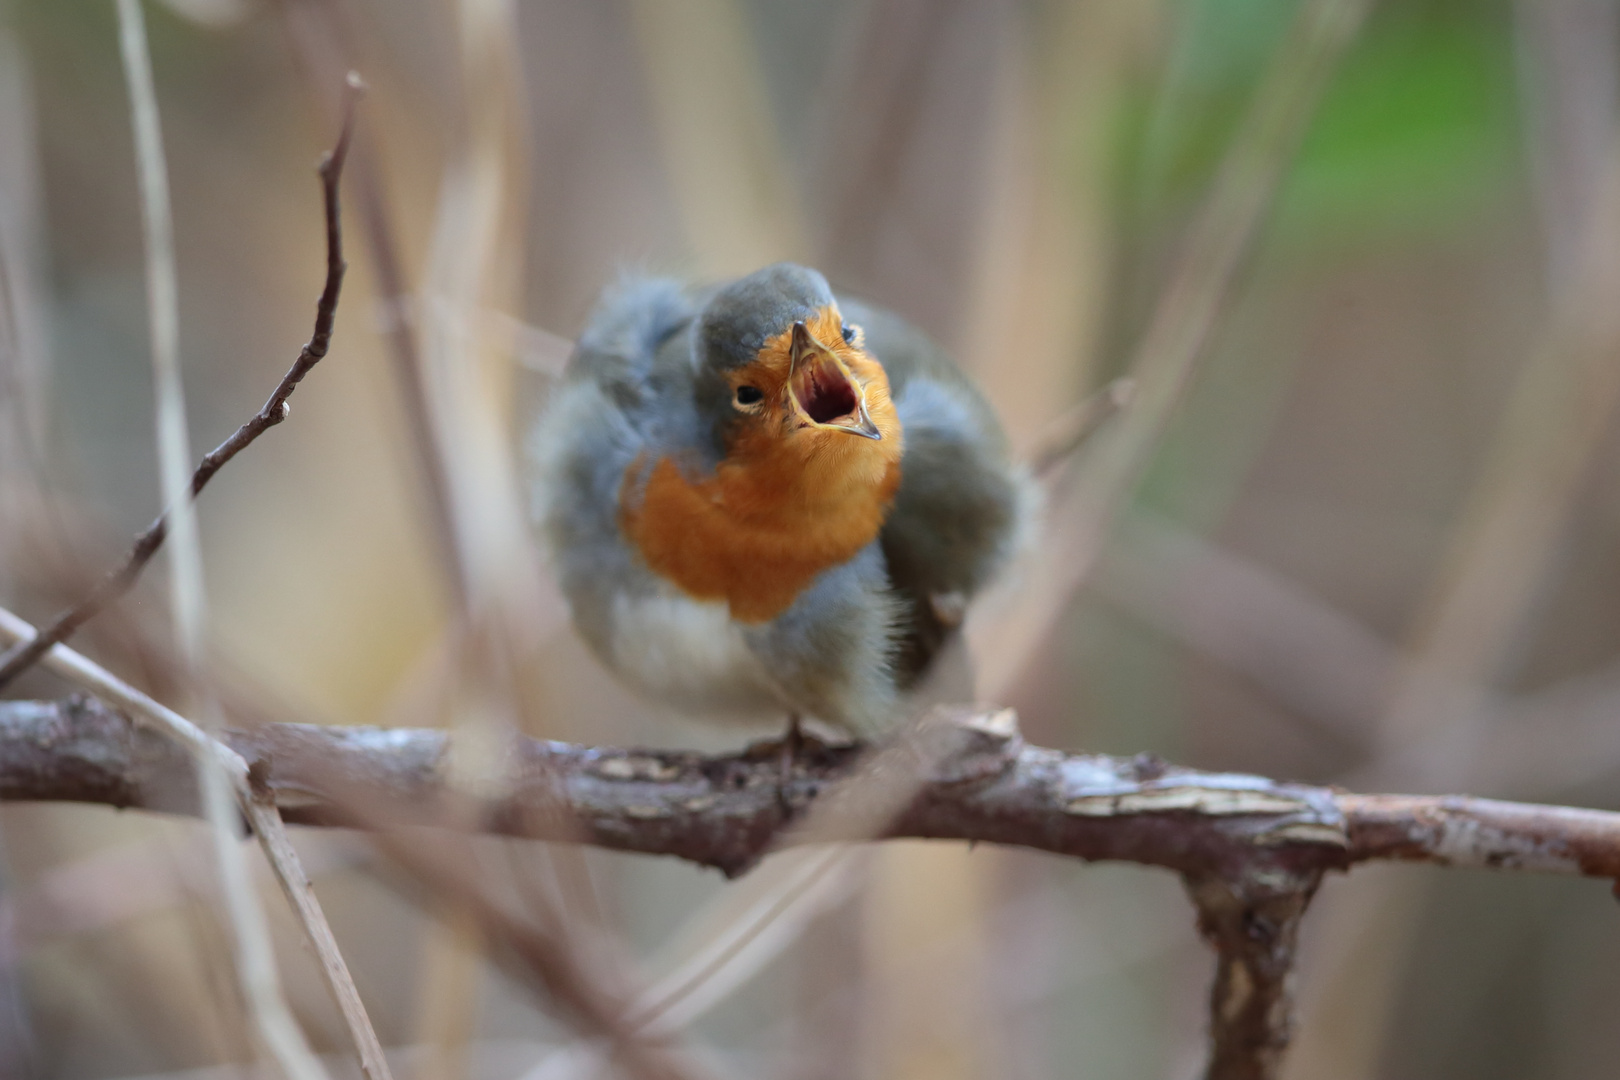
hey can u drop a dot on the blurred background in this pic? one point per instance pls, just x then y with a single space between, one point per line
1378 544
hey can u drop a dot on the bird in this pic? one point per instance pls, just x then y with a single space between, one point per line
761 497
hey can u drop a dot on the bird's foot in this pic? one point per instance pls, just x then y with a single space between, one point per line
795 748
799 745
792 746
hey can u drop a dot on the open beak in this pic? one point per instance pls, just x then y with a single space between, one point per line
822 389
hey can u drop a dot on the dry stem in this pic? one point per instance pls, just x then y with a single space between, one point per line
23 655
179 775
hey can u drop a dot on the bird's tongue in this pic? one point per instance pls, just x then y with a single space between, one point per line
822 390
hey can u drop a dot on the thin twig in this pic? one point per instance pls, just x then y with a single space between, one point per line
573 988
25 654
1072 430
255 959
272 833
540 951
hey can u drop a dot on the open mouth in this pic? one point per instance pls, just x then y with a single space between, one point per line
824 392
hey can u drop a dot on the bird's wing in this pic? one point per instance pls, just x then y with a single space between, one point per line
620 345
962 501
610 408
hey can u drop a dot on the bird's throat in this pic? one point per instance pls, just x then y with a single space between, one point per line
757 532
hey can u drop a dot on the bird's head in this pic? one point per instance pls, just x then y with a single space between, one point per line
805 443
790 386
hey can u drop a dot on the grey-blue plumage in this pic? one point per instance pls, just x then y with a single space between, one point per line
648 380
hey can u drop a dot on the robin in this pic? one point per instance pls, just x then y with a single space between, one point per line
765 497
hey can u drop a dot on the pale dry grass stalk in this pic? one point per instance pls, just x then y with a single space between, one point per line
1034 291
729 941
739 933
1436 731
929 1015
1334 675
741 210
221 774
226 763
447 997
1040 276
1512 523
1177 338
255 953
735 937
24 337
474 267
474 263
24 334
727 166
452 391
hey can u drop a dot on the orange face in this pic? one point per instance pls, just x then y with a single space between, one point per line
813 410
811 467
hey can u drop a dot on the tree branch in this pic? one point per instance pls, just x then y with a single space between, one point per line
726 811
1252 850
1252 923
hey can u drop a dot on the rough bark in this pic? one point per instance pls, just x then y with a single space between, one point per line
726 810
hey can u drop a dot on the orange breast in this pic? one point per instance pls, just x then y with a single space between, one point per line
727 539
786 503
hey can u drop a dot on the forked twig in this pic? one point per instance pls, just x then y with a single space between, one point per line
23 655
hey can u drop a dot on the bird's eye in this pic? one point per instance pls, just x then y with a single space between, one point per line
749 395
849 334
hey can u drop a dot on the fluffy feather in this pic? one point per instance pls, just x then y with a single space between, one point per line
805 558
